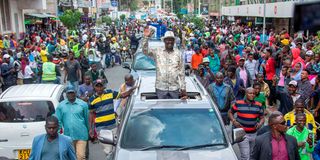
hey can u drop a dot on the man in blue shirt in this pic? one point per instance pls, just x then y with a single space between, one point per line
52 145
73 115
222 95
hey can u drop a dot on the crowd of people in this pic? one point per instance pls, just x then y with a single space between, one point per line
269 81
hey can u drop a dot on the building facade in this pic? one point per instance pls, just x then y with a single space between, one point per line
11 14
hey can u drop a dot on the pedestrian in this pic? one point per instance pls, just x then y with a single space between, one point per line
28 74
196 59
126 86
304 86
86 90
250 117
260 96
304 136
243 73
299 107
73 116
252 66
170 79
276 144
72 71
50 72
94 73
222 95
8 73
102 115
287 97
236 83
52 145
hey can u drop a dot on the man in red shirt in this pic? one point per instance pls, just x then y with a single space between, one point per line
270 68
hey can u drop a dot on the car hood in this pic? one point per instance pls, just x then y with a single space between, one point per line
222 154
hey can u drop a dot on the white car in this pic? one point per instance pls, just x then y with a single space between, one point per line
23 111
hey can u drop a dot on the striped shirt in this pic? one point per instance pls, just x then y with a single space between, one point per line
103 107
248 114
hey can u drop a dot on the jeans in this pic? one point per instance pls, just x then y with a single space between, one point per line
167 94
75 85
80 148
246 146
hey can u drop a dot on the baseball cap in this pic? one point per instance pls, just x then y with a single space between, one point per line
6 56
309 53
98 82
70 89
205 60
294 83
242 59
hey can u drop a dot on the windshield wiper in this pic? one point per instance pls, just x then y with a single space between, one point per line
202 146
160 147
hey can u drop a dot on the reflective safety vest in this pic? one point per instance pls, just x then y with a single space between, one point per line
49 71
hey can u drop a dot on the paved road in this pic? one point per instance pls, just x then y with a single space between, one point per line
115 77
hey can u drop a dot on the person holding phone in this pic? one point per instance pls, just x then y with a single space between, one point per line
304 136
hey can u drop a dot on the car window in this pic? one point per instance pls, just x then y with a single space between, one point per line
176 127
25 111
143 62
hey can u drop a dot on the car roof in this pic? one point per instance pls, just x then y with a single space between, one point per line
147 85
32 91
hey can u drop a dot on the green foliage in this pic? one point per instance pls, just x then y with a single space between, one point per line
133 5
71 19
122 17
107 20
179 15
197 21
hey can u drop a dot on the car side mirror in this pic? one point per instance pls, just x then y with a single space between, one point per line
106 137
238 135
126 65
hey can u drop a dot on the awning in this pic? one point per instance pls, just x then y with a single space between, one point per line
41 15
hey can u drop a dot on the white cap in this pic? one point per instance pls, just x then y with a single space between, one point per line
293 82
309 53
6 56
205 60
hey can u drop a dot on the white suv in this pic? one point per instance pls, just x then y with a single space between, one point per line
23 111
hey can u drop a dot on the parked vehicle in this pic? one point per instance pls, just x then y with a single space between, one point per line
23 111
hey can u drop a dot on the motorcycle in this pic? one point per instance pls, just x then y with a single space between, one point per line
124 54
115 58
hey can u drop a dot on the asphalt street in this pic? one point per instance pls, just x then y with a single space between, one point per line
115 77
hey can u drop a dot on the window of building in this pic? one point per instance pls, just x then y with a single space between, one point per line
5 15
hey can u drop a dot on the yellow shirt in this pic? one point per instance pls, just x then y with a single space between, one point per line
290 119
43 55
1 44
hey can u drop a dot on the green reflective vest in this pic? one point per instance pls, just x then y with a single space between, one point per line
49 71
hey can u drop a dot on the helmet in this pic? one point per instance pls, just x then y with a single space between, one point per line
113 39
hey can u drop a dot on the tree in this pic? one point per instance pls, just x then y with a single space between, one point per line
122 17
70 19
133 5
107 20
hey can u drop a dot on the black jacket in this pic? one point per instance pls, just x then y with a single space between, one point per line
263 148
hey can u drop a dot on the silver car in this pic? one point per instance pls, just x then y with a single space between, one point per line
164 129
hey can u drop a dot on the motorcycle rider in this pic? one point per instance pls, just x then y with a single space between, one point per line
114 48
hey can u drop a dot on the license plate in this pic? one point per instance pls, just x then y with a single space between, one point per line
24 154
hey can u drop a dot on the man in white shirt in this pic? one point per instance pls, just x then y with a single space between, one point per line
252 66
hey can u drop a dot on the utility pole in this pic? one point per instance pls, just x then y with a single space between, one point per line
199 12
171 6
264 20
